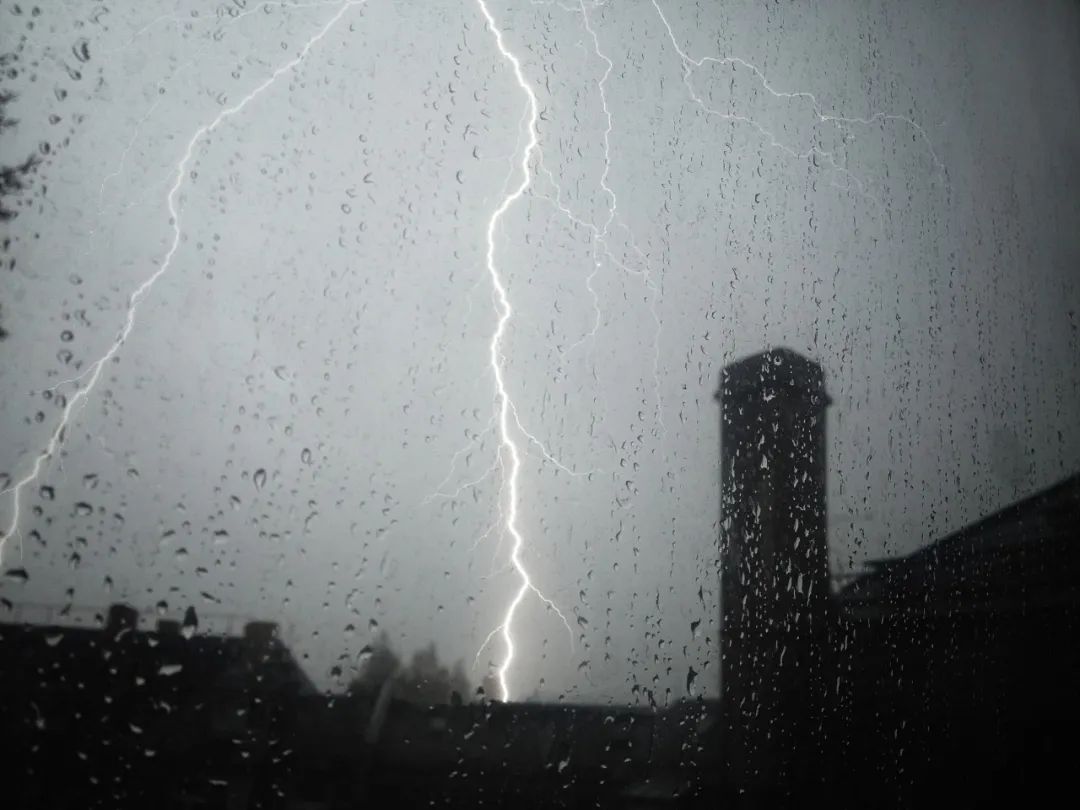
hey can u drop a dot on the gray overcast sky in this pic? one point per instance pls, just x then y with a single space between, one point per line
327 314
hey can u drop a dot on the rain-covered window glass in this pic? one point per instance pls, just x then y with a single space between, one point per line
539 403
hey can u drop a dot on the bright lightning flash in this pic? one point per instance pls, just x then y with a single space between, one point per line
506 411
600 233
94 372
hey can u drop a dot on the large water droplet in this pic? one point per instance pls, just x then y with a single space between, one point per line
191 623
691 676
17 575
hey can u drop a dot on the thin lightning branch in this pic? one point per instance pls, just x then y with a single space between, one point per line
826 157
613 212
545 452
496 572
600 234
97 367
485 535
555 608
503 402
127 149
497 464
474 440
480 651
822 117
501 536
609 66
502 628
561 208
234 16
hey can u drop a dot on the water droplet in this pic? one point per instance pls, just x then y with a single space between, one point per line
259 478
691 676
191 623
81 49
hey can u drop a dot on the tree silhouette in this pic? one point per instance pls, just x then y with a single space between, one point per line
425 681
489 689
12 175
378 663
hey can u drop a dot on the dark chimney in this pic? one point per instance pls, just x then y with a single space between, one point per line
774 567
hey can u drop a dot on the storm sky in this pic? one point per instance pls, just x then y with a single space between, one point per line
299 426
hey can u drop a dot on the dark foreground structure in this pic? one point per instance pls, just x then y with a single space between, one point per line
948 677
121 717
945 678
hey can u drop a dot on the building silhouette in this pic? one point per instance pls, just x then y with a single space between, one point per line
946 676
774 567
956 665
114 715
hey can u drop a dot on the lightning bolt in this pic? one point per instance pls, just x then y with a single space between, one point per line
600 234
505 419
94 372
506 412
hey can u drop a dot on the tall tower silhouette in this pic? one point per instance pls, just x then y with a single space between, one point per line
774 569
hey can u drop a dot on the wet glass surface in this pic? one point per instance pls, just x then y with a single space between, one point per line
538 403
